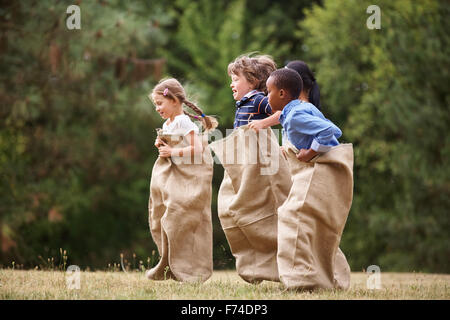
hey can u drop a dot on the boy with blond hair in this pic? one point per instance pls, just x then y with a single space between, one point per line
248 83
249 196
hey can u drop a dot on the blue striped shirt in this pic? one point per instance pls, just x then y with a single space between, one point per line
253 106
307 128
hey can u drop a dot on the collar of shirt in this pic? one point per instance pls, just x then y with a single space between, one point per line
288 108
247 96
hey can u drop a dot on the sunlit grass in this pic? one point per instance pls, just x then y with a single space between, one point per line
34 284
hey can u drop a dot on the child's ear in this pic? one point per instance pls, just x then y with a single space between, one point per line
174 100
282 93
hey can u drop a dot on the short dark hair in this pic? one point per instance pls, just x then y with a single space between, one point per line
288 80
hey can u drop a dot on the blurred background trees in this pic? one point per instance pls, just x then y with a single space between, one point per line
77 128
388 90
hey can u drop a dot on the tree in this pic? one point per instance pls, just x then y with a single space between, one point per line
388 90
76 131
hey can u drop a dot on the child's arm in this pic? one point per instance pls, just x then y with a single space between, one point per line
306 155
322 130
265 123
196 146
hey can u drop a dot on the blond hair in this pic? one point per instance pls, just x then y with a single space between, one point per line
256 69
172 89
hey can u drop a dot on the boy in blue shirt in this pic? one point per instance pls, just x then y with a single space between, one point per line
303 124
312 219
248 83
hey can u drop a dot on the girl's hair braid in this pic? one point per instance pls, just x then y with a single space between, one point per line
210 123
172 89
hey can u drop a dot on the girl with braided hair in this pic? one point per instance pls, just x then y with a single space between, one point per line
180 191
169 97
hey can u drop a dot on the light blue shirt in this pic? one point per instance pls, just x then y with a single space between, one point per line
307 128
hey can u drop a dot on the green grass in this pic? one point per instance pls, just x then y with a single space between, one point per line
33 284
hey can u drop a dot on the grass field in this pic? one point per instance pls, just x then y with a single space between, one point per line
20 284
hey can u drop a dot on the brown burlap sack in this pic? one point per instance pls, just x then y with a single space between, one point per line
256 182
311 221
180 214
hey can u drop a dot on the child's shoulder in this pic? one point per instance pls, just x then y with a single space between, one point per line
300 108
260 99
259 95
255 98
182 121
183 118
304 106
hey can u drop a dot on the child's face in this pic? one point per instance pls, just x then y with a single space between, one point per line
276 97
240 86
166 107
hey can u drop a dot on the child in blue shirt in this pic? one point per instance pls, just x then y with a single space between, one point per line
303 124
312 219
248 83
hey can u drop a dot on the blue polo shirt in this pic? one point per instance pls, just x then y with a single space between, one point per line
253 106
307 128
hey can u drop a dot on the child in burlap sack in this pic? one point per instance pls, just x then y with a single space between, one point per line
249 194
180 189
312 219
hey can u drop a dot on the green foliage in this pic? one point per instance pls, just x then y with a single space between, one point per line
388 90
77 128
76 145
211 34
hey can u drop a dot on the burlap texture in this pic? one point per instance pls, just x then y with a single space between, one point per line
248 199
180 214
311 221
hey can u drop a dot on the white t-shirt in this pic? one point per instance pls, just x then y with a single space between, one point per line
181 125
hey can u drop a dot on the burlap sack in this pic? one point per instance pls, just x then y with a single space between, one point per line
256 182
180 214
311 221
